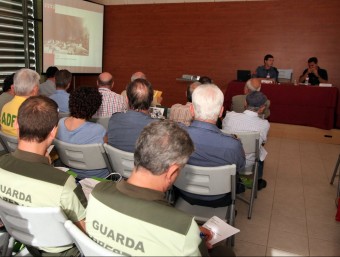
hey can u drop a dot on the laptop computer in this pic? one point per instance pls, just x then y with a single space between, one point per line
243 75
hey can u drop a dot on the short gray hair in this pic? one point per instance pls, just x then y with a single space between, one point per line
24 81
162 144
207 100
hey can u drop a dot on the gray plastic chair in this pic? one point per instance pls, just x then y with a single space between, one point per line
208 181
251 144
121 162
83 157
35 226
85 244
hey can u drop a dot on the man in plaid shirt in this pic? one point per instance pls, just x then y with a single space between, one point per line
112 102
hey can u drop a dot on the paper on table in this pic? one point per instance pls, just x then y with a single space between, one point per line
220 229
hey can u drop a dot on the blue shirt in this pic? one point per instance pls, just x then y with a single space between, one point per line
214 148
125 127
61 97
87 133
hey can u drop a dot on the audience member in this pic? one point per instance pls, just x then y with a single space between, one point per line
205 80
212 147
48 87
7 90
136 75
267 71
28 179
181 113
124 128
63 80
112 102
314 73
136 210
26 84
239 101
76 129
249 120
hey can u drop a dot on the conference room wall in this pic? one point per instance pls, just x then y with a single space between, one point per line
215 39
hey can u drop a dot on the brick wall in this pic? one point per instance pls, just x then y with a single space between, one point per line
215 39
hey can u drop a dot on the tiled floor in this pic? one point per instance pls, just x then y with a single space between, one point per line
295 214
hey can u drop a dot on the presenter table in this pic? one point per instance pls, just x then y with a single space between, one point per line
300 105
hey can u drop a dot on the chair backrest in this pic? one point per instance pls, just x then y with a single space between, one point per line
250 142
206 180
104 121
85 244
63 114
83 157
10 143
35 226
285 75
121 161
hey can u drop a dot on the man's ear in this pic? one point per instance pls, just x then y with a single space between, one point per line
35 90
261 109
53 132
221 112
172 173
192 110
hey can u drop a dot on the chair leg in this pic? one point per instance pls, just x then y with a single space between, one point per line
9 250
230 217
335 170
253 194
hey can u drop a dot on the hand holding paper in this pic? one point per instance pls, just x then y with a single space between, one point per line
220 230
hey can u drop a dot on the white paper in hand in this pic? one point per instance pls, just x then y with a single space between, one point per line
220 229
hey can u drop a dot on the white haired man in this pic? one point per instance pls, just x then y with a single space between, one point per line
212 147
26 84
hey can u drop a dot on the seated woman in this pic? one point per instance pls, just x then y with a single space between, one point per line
76 129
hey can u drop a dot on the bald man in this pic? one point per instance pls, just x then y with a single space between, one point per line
181 113
239 101
134 76
138 75
112 102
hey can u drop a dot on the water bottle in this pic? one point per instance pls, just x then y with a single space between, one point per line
306 80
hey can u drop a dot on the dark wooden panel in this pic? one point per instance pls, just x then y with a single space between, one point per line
215 39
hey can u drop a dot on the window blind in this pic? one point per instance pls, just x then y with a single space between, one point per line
17 36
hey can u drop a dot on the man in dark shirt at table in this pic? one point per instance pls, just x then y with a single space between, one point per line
315 74
267 70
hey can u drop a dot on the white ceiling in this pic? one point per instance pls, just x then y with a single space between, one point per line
124 2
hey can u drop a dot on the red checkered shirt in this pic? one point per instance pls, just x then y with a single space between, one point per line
111 103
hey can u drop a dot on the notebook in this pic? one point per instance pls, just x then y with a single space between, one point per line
243 75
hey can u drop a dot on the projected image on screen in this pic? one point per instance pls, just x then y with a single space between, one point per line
72 36
73 41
